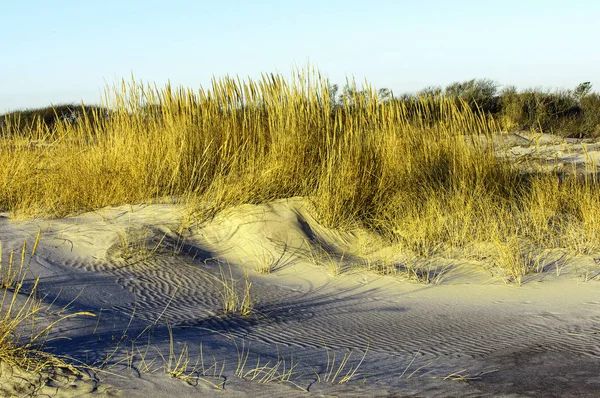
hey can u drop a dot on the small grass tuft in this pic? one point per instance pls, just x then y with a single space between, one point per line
340 373
236 295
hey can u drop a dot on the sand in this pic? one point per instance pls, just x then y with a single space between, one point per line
152 279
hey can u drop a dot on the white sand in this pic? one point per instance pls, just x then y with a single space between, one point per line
469 335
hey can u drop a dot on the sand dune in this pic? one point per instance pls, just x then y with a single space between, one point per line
153 281
264 301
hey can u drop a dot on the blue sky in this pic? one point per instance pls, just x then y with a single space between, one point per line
67 51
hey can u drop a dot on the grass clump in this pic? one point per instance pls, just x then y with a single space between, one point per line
340 372
321 257
277 370
236 294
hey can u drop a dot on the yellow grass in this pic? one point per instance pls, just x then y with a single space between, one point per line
236 295
22 336
421 172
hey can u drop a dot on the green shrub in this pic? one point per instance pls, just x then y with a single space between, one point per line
24 122
479 94
590 125
533 109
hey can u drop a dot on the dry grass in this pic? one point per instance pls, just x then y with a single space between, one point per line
236 294
178 364
421 172
321 257
270 371
22 332
338 372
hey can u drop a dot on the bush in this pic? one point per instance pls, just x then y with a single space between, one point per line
590 125
533 109
479 94
46 119
569 113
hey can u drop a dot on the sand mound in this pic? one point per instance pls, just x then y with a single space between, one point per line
159 288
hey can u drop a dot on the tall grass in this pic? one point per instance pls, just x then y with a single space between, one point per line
422 171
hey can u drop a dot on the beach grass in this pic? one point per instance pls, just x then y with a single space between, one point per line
422 171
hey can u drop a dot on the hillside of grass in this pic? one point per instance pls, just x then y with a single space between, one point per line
420 170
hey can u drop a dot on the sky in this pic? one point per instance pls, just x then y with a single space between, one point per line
56 52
